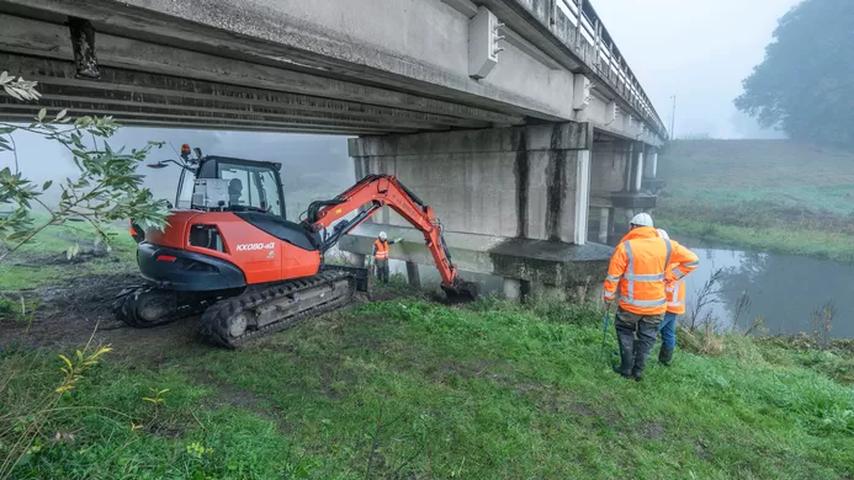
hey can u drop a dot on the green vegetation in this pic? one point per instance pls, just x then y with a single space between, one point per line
107 190
45 259
410 389
801 86
765 194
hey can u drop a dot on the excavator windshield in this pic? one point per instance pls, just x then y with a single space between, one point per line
252 186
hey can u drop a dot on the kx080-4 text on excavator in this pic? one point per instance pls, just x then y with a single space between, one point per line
228 252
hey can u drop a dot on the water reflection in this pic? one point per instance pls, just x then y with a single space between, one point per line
784 289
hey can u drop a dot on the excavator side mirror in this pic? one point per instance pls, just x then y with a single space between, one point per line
157 165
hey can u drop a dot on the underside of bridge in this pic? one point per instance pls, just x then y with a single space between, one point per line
526 157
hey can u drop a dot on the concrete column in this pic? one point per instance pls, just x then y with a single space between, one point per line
604 219
653 164
517 182
413 275
512 289
630 161
638 171
582 196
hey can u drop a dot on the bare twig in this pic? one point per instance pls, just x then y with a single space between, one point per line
822 322
742 306
706 296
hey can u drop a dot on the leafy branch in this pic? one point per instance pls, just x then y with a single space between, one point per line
107 188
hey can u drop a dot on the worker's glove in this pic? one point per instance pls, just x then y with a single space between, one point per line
398 239
609 303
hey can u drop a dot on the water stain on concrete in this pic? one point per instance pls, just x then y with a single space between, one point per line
522 173
556 188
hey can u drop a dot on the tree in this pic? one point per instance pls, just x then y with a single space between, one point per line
108 188
805 84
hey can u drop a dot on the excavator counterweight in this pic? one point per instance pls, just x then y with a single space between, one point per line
229 252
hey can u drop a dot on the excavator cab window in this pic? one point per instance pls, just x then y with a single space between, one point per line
184 198
252 188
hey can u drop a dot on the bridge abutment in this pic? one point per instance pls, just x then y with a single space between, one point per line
514 202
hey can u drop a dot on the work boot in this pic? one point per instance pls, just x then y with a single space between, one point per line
626 340
646 339
665 356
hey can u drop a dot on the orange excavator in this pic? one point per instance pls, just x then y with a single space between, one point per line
229 253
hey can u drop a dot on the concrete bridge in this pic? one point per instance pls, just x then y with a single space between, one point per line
518 120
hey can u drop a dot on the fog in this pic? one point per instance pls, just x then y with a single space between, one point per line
699 51
313 166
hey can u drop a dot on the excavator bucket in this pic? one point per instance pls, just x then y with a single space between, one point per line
461 291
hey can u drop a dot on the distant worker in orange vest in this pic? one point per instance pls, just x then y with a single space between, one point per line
380 255
675 307
638 270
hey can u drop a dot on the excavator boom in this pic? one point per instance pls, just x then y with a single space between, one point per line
369 195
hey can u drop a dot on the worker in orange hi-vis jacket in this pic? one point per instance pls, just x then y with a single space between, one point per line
637 274
675 307
380 255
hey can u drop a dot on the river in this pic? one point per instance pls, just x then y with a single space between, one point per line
784 289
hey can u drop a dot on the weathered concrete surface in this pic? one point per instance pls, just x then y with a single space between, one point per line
511 182
327 66
565 41
576 270
506 197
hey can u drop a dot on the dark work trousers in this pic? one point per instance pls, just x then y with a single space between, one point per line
636 335
381 266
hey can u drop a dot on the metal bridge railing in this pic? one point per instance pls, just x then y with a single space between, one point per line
607 61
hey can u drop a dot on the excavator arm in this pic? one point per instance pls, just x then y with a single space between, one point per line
369 195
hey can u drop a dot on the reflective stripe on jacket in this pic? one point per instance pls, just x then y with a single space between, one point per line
380 249
639 268
676 297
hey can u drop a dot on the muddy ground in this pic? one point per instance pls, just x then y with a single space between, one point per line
69 313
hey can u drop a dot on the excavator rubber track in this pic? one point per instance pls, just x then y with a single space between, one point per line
260 311
146 306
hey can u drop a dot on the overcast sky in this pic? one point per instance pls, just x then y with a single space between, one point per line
698 50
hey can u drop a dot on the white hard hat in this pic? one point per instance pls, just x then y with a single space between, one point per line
383 236
663 233
642 220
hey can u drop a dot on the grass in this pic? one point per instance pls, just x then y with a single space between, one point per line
43 260
814 243
764 194
410 389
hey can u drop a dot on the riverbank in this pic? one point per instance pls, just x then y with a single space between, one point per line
768 195
715 225
411 389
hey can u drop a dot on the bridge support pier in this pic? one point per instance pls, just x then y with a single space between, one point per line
412 274
618 185
513 201
512 289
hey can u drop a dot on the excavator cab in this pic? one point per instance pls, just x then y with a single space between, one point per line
232 185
